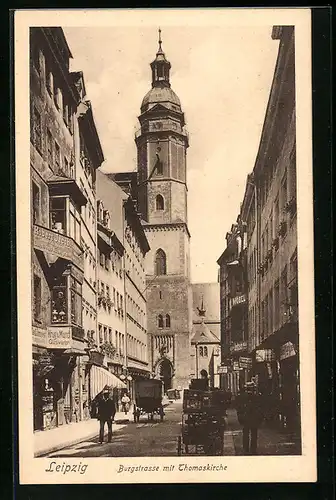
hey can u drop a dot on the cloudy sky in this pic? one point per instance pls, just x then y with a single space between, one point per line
222 76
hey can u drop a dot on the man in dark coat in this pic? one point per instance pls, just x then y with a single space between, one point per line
250 415
106 411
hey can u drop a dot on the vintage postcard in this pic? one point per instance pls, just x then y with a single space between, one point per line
165 246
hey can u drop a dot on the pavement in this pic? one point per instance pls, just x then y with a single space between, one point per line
151 438
67 435
270 441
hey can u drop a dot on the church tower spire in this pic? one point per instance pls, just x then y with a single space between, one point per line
160 67
162 143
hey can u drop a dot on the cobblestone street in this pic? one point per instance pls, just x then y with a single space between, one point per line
160 439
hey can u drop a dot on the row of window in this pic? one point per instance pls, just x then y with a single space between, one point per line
135 348
163 321
116 301
279 304
135 311
53 85
117 339
111 262
63 167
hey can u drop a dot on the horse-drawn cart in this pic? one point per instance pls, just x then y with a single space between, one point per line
148 399
203 422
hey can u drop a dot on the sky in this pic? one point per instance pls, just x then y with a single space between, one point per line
223 78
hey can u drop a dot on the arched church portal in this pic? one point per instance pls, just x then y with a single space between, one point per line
165 373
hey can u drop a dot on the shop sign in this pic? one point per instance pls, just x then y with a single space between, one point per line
59 337
236 366
263 355
287 350
238 346
239 299
222 369
245 362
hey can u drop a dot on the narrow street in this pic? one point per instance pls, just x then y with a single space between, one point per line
134 439
160 439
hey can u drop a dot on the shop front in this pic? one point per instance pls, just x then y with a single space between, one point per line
289 411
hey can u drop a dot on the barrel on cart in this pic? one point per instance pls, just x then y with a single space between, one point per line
203 422
148 399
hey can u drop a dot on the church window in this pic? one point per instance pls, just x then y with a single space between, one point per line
205 352
167 321
159 202
160 263
201 351
160 321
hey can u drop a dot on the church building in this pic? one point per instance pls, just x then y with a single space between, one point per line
162 143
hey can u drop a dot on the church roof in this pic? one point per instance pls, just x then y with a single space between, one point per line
160 95
203 334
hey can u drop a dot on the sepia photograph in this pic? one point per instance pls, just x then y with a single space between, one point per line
162 176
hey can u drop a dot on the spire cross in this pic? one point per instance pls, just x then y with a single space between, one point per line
160 41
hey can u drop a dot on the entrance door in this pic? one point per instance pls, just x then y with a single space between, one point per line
166 374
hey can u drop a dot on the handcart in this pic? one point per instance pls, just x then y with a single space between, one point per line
203 422
148 399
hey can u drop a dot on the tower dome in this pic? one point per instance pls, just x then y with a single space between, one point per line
161 91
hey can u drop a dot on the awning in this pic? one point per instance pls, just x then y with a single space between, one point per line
99 377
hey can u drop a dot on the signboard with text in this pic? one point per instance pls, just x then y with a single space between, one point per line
222 369
59 337
238 346
287 350
245 362
236 301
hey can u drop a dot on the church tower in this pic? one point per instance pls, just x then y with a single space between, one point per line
162 142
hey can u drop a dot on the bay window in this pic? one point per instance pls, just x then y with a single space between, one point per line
76 301
74 223
58 214
65 218
59 301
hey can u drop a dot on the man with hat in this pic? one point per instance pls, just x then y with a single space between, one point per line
106 411
250 415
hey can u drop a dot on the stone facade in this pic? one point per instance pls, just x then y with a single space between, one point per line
162 200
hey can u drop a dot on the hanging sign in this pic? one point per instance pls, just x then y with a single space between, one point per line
222 369
245 362
287 351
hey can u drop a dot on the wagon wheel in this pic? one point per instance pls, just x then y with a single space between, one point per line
179 446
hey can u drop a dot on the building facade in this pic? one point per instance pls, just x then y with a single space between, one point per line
269 209
162 143
235 362
62 189
205 341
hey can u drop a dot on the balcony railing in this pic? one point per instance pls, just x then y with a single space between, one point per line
47 240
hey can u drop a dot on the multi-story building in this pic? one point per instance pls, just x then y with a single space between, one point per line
123 277
162 143
136 309
61 187
233 292
110 278
269 209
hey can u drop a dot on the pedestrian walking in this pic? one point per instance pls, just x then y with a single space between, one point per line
106 411
125 401
250 415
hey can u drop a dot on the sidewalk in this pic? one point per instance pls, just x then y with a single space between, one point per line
270 441
46 442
